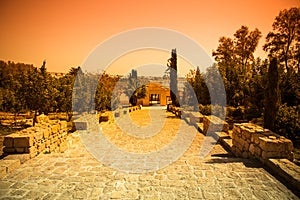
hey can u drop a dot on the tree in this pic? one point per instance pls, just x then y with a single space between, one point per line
271 95
64 87
284 41
172 67
46 90
257 87
104 98
198 85
245 44
135 89
235 58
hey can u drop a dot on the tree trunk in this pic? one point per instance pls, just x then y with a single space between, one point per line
34 118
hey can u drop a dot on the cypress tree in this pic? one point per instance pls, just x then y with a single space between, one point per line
271 95
172 64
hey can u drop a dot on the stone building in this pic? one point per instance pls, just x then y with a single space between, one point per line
156 94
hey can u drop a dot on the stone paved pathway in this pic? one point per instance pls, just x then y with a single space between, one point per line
76 174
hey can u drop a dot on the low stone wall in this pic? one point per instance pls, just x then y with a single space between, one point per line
46 136
214 124
124 111
195 117
200 121
252 141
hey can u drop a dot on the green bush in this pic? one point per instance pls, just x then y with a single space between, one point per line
287 122
237 113
252 112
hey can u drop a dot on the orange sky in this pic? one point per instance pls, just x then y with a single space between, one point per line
65 32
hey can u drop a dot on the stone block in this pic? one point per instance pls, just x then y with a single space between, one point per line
245 154
288 144
267 144
246 145
46 133
23 141
257 151
42 118
236 128
8 141
255 138
40 147
9 150
47 143
246 134
55 128
81 125
20 149
238 146
215 124
38 134
270 154
63 124
63 146
117 114
251 149
103 118
30 149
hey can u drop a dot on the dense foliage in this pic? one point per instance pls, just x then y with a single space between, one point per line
254 87
25 88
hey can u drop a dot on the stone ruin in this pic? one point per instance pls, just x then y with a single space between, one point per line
45 137
252 141
248 140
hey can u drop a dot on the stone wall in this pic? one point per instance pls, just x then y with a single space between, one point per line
200 121
214 124
252 141
46 136
124 111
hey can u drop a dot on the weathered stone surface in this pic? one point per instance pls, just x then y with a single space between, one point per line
195 117
214 124
103 118
77 174
117 114
10 165
9 150
23 141
260 143
8 141
81 125
42 118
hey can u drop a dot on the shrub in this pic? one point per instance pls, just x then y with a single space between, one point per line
287 122
252 112
238 113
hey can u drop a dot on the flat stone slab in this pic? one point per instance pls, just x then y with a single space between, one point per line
287 170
